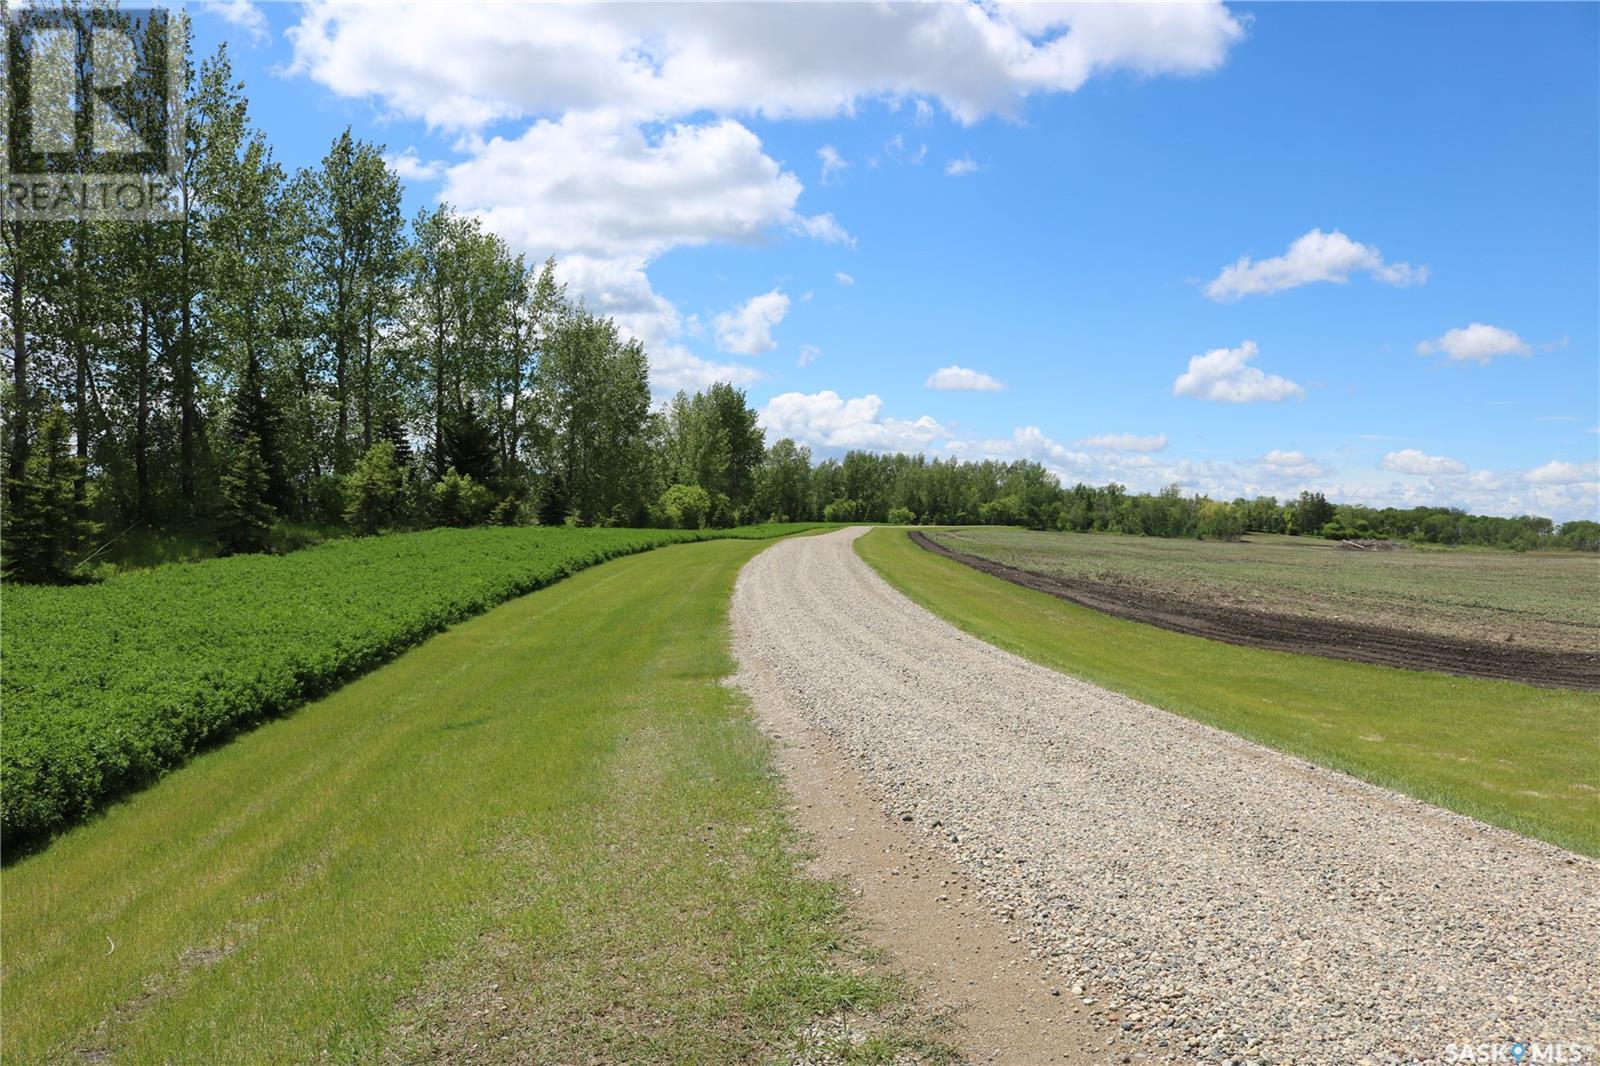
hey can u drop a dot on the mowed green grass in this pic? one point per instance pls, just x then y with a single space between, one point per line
108 686
550 833
1521 757
1547 599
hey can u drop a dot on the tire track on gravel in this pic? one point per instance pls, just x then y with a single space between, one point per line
1217 900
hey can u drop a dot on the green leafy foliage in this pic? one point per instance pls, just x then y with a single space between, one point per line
372 490
458 500
508 512
45 525
1111 509
109 685
845 510
713 440
353 877
245 522
783 483
685 507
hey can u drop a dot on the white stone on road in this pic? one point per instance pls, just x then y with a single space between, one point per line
1221 900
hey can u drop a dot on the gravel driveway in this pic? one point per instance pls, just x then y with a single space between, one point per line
1214 899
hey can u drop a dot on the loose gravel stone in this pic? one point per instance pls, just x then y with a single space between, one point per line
1220 901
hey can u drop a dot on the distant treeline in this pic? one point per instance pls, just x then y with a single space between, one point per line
912 489
1170 514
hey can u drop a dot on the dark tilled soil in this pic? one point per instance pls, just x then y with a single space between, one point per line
1308 636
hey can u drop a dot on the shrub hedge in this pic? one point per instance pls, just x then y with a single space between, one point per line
107 686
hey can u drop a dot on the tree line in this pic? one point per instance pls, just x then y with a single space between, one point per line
905 489
292 350
1171 514
293 357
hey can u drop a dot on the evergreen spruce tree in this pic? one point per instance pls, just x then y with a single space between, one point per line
395 433
469 446
373 489
250 492
46 525
245 522
253 415
555 502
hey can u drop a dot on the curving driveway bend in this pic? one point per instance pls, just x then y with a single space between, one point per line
1213 899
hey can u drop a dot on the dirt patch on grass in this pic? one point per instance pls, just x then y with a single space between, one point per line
1325 637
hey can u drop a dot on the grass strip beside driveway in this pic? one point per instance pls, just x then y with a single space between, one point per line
549 833
1513 755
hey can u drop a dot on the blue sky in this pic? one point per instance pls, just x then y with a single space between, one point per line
1044 201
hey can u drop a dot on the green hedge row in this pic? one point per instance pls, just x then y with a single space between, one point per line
105 687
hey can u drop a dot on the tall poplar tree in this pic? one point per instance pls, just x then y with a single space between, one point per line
352 245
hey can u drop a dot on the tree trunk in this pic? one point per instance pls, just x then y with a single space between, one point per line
19 360
366 383
438 404
183 377
80 377
341 392
509 457
514 437
141 419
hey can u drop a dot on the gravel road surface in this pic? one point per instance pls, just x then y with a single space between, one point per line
1207 898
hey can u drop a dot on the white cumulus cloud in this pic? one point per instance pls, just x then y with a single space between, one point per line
627 142
606 200
409 166
1225 375
843 279
590 185
747 329
674 367
1280 463
616 287
1415 461
1557 472
962 379
1475 343
827 420
1561 490
619 124
1125 442
465 65
809 353
832 162
241 13
1317 256
1139 471
958 168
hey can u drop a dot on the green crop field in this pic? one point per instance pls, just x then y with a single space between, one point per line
1521 757
1548 599
550 833
108 685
